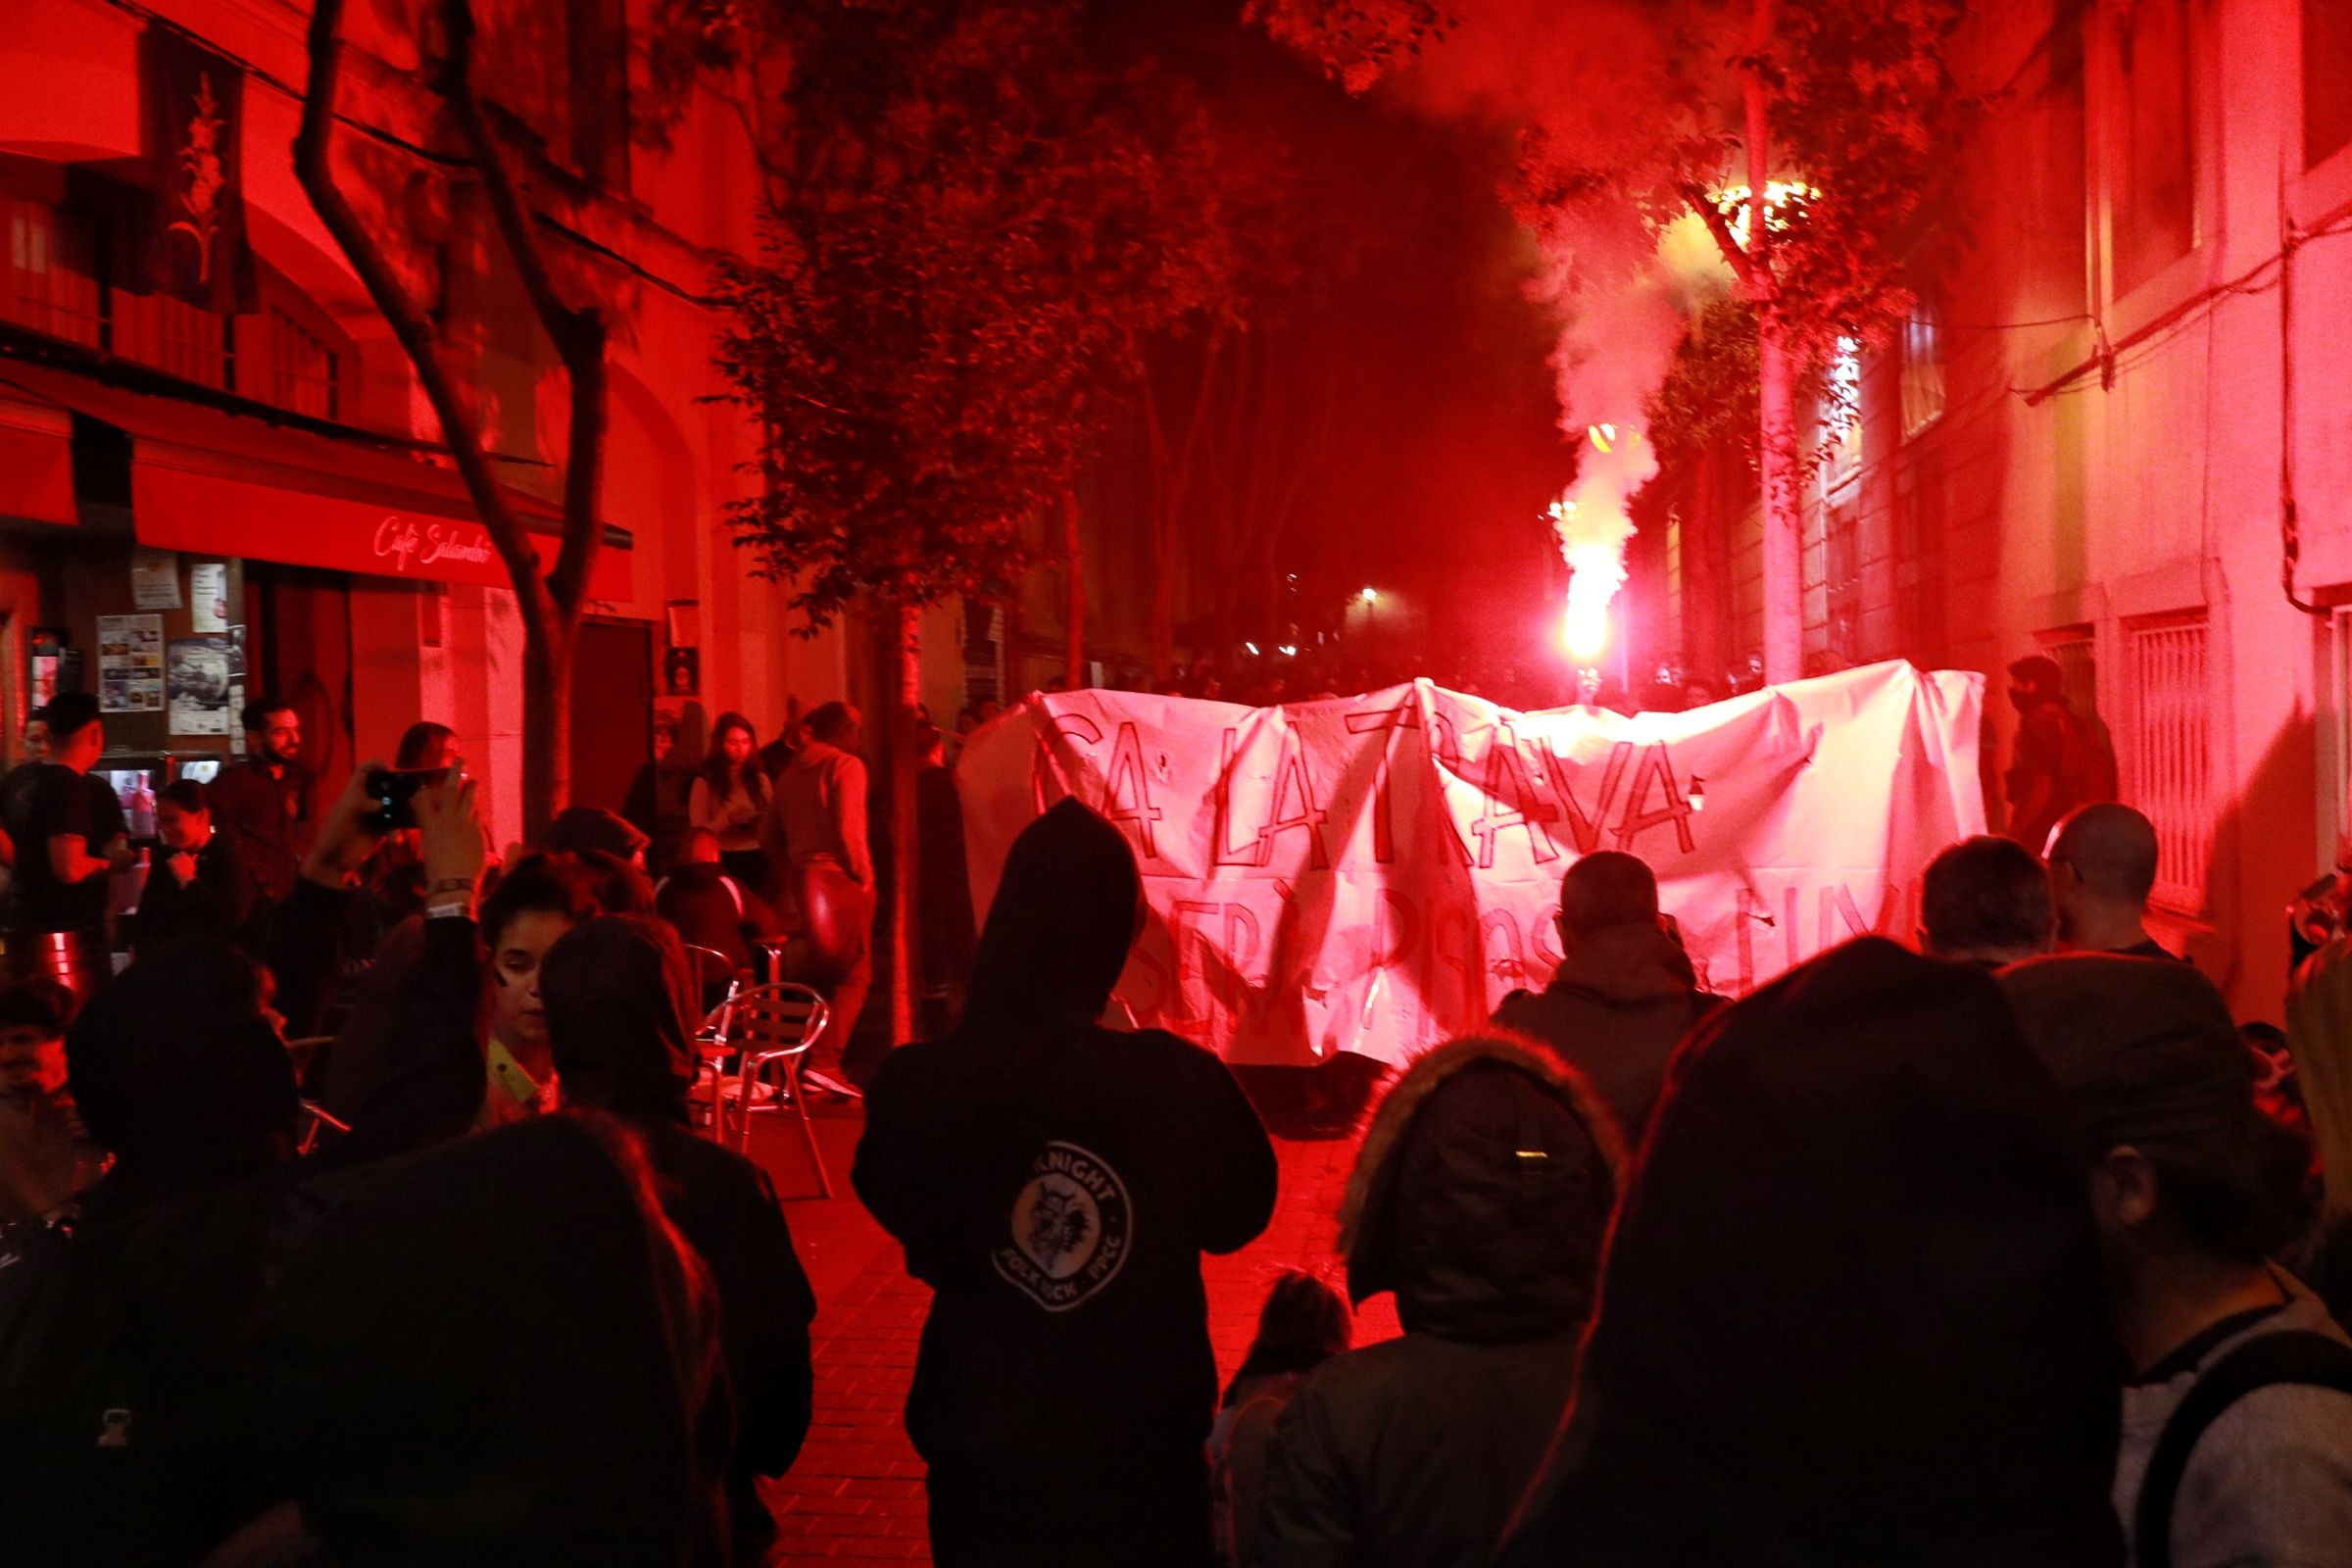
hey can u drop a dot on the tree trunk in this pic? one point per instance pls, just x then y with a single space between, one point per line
547 648
1073 548
906 950
1783 511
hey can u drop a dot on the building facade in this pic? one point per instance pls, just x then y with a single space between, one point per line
245 471
2113 432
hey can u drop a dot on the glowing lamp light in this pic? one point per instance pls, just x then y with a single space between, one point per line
1253 647
1370 595
1287 651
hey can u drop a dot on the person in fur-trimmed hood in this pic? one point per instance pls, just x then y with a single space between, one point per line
1481 1197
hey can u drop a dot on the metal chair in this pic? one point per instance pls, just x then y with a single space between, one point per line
769 1029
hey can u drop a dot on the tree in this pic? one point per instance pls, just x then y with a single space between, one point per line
549 603
1804 134
972 228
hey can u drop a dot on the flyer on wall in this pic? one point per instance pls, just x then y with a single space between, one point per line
200 685
130 663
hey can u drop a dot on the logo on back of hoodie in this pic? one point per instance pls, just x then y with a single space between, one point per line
1070 1229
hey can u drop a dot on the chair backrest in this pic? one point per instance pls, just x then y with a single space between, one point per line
715 977
768 1022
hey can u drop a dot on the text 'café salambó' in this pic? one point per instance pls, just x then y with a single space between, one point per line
190 512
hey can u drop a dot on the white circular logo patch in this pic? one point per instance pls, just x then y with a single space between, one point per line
1070 1229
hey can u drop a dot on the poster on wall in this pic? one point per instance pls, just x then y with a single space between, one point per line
155 579
200 685
207 595
130 663
237 688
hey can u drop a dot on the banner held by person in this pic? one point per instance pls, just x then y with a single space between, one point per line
1373 875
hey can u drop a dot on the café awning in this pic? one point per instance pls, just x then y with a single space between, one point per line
36 456
208 482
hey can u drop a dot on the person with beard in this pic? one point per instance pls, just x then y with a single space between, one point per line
1054 1182
618 993
1852 1311
2102 867
262 803
1625 994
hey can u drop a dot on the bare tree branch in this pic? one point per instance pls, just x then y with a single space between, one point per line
314 167
578 335
1743 265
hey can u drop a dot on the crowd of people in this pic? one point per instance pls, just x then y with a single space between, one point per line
364 1218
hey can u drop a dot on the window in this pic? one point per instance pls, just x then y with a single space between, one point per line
2074 649
2170 755
2152 166
1843 547
173 336
2326 79
1841 416
301 369
52 283
1920 522
1923 369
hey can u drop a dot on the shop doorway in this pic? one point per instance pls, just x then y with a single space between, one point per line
303 618
611 710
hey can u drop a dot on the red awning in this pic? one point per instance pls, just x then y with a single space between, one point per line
36 458
210 483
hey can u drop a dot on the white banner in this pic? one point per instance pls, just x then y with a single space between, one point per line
1374 874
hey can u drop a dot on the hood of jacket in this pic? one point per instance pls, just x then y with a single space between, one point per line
1628 963
1482 1193
1060 927
1852 1311
618 991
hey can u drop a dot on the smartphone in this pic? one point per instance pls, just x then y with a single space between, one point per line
394 790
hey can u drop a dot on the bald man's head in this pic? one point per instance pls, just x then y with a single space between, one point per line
1607 888
2111 848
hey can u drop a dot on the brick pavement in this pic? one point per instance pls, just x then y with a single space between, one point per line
857 1491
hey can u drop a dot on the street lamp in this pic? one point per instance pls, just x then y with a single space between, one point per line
1370 595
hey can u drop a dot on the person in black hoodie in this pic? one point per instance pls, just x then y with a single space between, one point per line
617 990
1055 1182
1624 996
1480 1197
178 1069
1851 1313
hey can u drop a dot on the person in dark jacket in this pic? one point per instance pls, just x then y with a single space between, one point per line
1303 1324
1852 1311
945 900
1624 996
710 909
1480 1197
1055 1182
195 886
1986 901
177 1068
618 991
262 803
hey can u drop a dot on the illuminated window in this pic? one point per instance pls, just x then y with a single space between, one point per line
1923 369
1841 416
2326 79
2152 165
2171 750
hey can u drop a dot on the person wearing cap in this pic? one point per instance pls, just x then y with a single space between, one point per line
2058 760
2102 870
2237 1443
1624 996
1986 901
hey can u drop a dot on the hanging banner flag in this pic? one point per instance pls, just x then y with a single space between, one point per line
194 133
1375 874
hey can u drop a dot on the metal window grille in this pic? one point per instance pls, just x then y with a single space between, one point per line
173 336
2172 756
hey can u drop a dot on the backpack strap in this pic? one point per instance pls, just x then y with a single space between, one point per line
2295 1355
